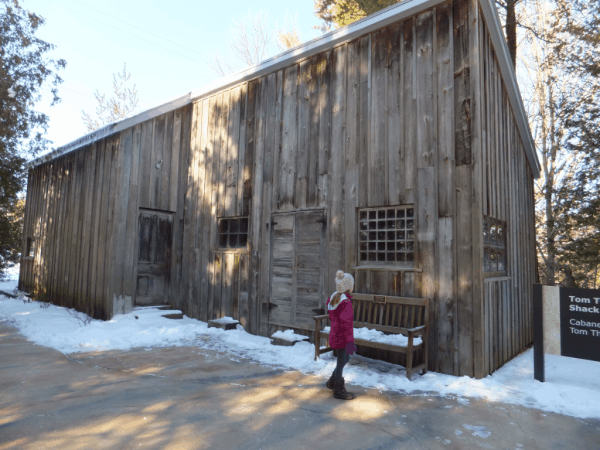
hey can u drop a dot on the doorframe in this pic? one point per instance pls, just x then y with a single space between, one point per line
136 250
323 258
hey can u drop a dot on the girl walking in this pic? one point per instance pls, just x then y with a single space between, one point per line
341 336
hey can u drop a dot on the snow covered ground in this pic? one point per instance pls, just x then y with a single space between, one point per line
572 386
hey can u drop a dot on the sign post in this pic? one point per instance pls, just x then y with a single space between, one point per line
566 322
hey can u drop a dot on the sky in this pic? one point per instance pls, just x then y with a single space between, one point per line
166 46
572 385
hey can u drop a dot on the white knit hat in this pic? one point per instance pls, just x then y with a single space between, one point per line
344 282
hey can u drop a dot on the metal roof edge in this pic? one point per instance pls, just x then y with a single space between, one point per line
510 79
356 29
110 129
366 25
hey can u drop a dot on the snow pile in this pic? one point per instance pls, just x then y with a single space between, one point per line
572 386
288 335
225 320
379 336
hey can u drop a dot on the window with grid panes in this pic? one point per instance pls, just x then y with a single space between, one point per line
494 247
233 232
386 235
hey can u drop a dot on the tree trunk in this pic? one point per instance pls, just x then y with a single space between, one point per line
511 30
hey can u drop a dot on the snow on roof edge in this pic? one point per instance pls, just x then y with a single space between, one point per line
375 21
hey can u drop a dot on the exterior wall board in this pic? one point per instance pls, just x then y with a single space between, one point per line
415 113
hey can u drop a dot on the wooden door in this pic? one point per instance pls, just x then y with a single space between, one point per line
296 268
154 257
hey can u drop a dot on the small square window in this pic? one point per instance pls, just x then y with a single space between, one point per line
30 247
233 232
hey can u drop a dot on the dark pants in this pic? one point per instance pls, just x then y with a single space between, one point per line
342 359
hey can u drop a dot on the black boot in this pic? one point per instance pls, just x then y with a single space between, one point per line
329 383
339 390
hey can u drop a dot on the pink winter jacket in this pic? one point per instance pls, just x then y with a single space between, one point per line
341 318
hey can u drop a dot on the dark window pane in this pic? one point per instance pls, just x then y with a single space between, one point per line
382 224
373 246
410 212
401 234
401 246
223 240
373 256
372 225
163 239
381 246
223 226
145 238
381 214
400 224
243 239
391 235
391 224
372 215
400 214
391 257
233 240
410 224
493 234
486 259
500 236
391 246
233 226
410 234
501 265
363 246
493 260
364 236
410 256
486 232
364 225
391 213
381 235
243 225
410 245
363 215
372 235
380 256
400 256
363 256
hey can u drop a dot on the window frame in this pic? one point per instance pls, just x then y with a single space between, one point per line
492 246
240 221
396 264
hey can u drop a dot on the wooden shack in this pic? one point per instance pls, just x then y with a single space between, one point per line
396 148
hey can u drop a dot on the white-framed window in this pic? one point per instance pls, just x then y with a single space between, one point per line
386 235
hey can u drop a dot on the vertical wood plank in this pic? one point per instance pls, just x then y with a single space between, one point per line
351 181
289 145
410 105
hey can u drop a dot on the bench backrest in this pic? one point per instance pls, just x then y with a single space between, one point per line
388 312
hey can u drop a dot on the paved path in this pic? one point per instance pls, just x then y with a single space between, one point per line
189 398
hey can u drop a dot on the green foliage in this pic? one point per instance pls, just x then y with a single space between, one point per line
339 13
25 69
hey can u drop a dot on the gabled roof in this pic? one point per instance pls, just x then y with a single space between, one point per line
370 23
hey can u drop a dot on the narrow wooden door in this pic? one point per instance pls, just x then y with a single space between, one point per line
154 257
296 268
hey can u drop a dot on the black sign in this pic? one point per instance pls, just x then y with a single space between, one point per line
580 323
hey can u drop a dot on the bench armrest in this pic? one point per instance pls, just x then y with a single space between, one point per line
325 316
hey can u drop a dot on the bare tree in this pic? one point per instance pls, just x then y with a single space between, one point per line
122 104
252 41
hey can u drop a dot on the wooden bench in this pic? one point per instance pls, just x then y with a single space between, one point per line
391 315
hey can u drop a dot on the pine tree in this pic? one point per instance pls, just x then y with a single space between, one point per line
25 69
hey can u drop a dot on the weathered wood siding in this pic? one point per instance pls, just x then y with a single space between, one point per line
414 113
507 195
82 211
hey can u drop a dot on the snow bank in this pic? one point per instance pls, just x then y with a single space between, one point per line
572 387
